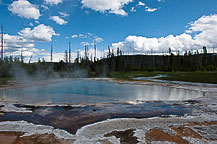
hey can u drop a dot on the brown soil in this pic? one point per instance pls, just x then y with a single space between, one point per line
159 135
181 131
186 132
14 138
9 137
126 137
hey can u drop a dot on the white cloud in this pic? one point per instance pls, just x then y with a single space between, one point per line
56 56
58 20
12 43
91 37
98 40
86 35
85 43
82 36
148 9
111 6
87 12
39 33
141 3
205 29
25 41
133 9
25 9
203 33
74 36
30 24
53 2
63 14
44 7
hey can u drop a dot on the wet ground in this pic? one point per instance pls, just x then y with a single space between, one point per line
72 118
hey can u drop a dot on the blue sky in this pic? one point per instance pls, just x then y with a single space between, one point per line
133 25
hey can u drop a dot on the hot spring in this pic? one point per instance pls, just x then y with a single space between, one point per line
77 91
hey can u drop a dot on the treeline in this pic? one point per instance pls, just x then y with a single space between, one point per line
16 68
168 63
84 67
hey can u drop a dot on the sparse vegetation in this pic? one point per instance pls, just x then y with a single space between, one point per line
4 81
200 77
188 67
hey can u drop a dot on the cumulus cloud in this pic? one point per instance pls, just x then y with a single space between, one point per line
91 53
39 33
13 45
53 2
56 56
205 29
202 32
58 20
111 6
25 42
24 8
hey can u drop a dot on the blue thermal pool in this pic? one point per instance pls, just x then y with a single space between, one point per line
76 91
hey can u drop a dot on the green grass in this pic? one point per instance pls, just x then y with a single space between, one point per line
200 77
4 81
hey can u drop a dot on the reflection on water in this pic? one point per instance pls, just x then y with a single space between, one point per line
87 91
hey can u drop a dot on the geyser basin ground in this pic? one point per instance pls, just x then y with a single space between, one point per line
77 91
194 120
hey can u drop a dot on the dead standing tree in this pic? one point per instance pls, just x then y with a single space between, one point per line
69 52
51 53
66 56
95 51
2 42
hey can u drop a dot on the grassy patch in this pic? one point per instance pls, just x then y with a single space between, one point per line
4 81
200 77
